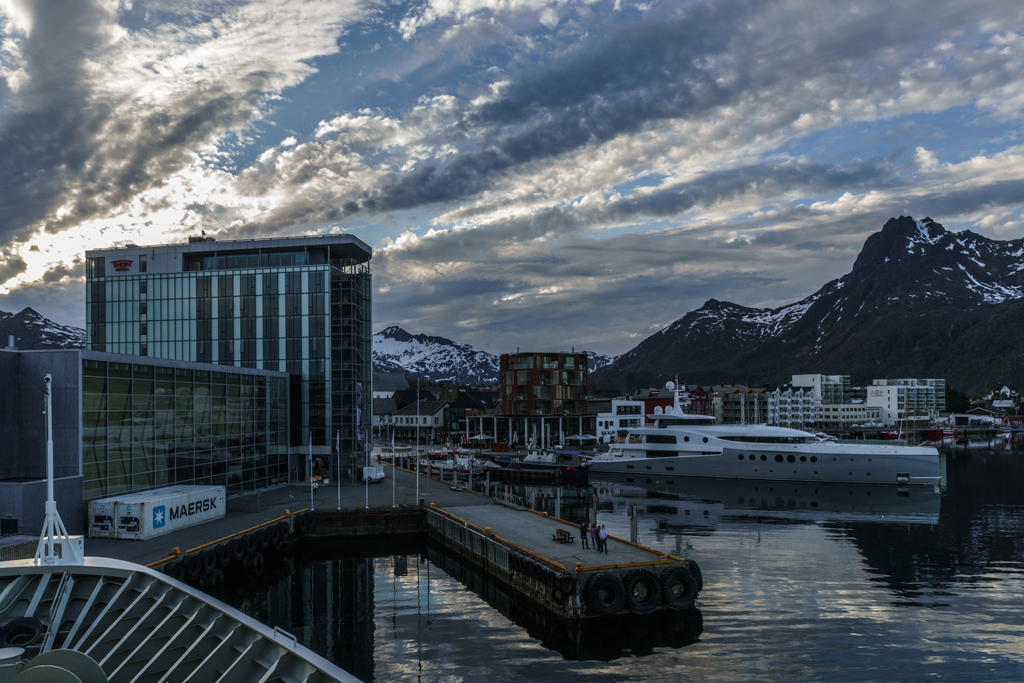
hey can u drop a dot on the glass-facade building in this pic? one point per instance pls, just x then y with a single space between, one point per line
147 425
296 305
125 424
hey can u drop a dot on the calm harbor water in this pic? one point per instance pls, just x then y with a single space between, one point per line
805 582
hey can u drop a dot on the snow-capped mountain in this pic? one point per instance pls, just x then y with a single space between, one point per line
437 358
33 331
920 301
433 358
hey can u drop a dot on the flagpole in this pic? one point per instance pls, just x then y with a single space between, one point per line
337 446
312 503
394 467
418 441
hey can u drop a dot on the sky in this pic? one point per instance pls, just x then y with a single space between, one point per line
529 173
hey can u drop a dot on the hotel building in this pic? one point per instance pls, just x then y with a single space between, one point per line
298 305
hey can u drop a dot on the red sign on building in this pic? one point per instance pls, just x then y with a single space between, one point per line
121 265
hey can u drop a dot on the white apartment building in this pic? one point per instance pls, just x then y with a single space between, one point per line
829 388
902 399
845 415
794 407
625 414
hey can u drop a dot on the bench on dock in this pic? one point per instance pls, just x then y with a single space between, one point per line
563 536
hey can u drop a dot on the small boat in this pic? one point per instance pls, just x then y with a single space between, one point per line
459 467
565 462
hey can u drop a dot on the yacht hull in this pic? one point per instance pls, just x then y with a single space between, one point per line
836 464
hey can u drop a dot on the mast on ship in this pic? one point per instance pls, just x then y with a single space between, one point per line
54 533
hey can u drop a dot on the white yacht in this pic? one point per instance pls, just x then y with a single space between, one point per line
683 445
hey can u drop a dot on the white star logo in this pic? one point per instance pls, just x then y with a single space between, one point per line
158 518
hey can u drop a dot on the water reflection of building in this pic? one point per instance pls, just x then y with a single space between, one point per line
328 604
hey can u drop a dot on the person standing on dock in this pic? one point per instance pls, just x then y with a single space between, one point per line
594 538
603 543
583 534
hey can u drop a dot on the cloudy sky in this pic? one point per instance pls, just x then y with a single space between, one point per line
533 173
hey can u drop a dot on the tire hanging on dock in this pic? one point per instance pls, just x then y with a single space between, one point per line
301 525
224 554
695 570
643 593
558 596
209 560
193 567
678 588
604 594
255 563
567 585
252 542
237 549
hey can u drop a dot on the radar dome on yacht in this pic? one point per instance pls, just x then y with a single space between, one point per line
671 386
658 410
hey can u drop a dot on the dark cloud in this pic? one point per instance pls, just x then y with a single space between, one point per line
47 139
673 63
11 266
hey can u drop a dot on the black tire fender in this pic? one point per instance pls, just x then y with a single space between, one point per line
224 554
172 569
275 534
567 585
193 567
312 520
678 588
252 543
558 596
604 594
695 570
209 560
263 534
643 592
301 525
255 563
237 549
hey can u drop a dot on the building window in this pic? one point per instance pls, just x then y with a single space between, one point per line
142 264
142 308
143 286
143 327
143 350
